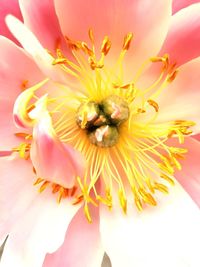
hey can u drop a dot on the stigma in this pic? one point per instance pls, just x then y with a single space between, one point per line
102 120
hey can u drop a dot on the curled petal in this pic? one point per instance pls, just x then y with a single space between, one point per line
12 83
53 160
21 110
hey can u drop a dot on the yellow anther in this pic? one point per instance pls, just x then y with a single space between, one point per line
43 186
23 150
141 110
38 181
167 178
154 104
73 45
58 61
106 45
165 168
171 77
24 85
87 50
178 151
91 35
138 204
162 188
94 64
147 197
127 41
22 135
123 201
60 194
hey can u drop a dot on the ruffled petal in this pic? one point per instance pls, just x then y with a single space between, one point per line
40 18
31 44
189 176
183 40
180 101
179 4
9 7
12 84
82 245
52 160
117 18
41 230
158 236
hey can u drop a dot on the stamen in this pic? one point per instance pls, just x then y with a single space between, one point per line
154 104
127 41
106 45
110 122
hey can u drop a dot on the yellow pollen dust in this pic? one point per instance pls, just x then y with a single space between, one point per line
112 121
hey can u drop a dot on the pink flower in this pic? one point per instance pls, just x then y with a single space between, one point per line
97 110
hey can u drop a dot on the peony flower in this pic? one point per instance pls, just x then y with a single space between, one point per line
97 113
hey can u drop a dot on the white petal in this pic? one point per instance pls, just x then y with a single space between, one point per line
41 230
166 235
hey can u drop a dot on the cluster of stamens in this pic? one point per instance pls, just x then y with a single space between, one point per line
109 116
102 120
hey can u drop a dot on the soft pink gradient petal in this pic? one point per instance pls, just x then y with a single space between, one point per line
41 19
197 137
180 101
189 177
116 18
82 245
11 86
179 4
41 230
8 7
183 40
52 160
165 235
39 54
16 191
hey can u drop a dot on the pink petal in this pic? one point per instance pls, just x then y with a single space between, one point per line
11 86
179 4
41 19
82 246
197 137
180 101
41 230
183 40
158 236
8 7
31 44
52 160
189 176
16 191
116 18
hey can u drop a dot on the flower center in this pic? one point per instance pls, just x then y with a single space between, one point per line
102 120
114 125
